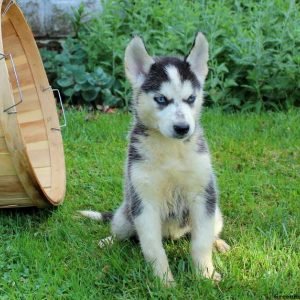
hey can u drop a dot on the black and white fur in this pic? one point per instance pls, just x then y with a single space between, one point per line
170 187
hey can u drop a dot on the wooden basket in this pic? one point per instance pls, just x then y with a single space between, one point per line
32 165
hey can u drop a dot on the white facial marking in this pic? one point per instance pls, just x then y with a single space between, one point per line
178 112
186 89
173 75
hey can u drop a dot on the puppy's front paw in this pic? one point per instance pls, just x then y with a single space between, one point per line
215 276
221 245
166 278
169 283
208 271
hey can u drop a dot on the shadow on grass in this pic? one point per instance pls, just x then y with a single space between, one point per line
25 219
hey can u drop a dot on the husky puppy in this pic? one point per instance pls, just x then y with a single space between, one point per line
170 187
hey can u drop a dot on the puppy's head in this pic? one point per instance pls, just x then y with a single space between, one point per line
168 91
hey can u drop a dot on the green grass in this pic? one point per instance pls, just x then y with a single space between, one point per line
53 254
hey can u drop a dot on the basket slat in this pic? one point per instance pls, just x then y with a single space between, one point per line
3 147
15 202
40 158
1 131
11 188
44 175
7 167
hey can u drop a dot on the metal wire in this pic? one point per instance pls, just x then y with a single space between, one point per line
4 56
61 104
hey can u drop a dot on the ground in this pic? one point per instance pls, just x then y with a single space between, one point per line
53 253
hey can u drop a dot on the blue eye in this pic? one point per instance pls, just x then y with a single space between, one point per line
191 99
162 100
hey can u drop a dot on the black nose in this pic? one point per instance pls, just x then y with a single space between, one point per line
181 128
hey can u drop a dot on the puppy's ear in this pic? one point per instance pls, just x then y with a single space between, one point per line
198 57
137 61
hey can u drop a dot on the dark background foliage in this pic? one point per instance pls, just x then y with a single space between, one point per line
254 50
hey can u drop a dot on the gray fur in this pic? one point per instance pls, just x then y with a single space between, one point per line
202 146
157 74
133 154
180 211
211 196
139 130
134 204
107 216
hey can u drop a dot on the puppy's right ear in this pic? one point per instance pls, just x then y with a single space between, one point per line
137 61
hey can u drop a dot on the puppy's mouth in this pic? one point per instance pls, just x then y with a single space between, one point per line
180 137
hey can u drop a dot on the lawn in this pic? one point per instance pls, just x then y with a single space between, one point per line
53 254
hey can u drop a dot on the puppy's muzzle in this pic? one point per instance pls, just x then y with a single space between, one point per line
181 129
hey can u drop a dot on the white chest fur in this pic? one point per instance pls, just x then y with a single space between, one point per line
170 169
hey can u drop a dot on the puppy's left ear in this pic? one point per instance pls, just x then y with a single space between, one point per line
137 61
198 57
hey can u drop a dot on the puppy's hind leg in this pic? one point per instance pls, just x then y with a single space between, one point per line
219 244
121 228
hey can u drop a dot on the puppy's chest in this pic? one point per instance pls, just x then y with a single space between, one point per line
174 164
172 172
175 205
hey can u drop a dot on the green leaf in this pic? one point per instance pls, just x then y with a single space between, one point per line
62 58
80 77
68 92
229 83
87 86
109 99
99 72
65 82
77 88
91 95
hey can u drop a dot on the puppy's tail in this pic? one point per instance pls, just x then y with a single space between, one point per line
94 215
